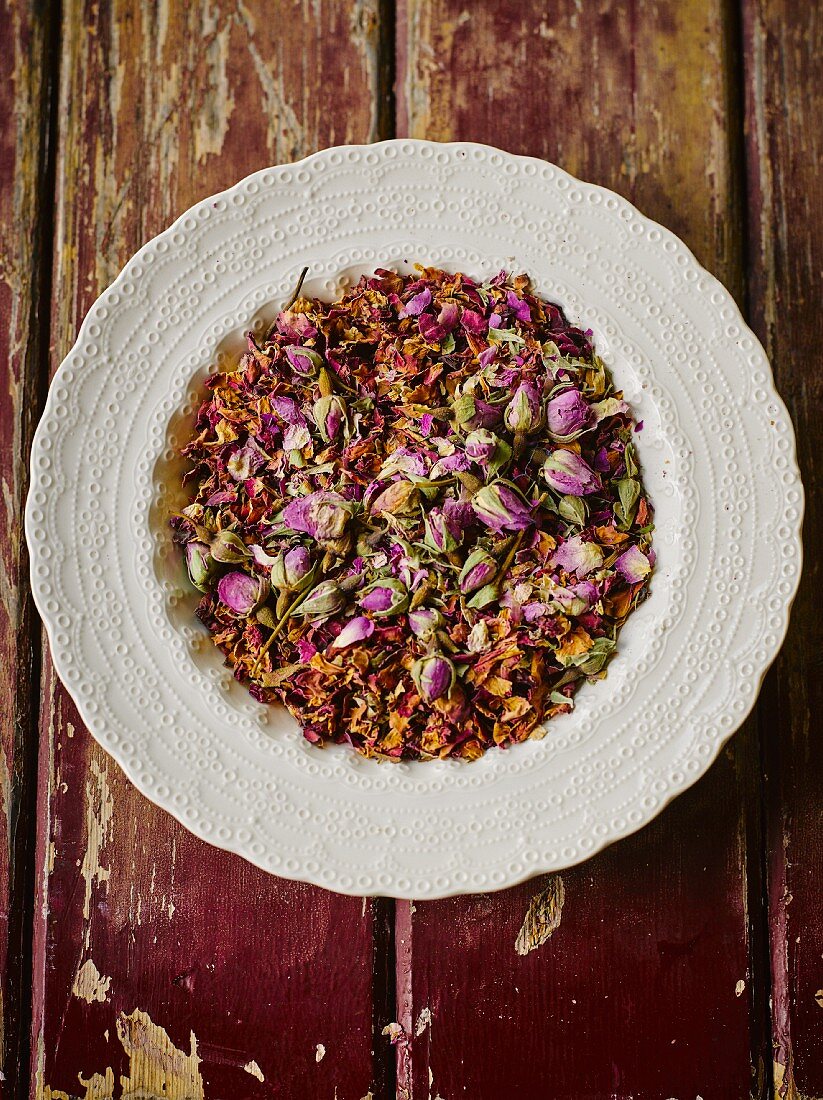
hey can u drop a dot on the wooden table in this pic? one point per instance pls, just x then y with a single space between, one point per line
138 961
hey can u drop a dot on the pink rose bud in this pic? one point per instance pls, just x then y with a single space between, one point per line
523 411
322 601
478 570
397 499
241 593
566 472
501 507
385 597
439 535
434 677
568 413
330 416
481 445
199 564
303 360
292 571
425 621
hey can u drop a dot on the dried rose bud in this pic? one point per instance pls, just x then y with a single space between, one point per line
566 472
438 532
229 548
385 597
400 498
293 570
241 593
355 630
481 445
303 360
425 621
470 412
501 507
568 413
434 677
330 416
322 515
523 411
322 601
479 569
199 563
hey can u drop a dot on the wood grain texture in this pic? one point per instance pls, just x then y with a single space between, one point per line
164 967
645 987
784 106
24 265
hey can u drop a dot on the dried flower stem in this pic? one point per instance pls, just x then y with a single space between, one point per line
297 289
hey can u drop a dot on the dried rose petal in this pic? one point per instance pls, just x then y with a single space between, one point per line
633 565
576 556
321 515
355 630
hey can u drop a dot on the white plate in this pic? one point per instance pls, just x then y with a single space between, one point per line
718 460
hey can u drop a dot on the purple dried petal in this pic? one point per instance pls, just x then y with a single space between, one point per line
355 630
415 306
287 409
518 306
633 565
322 515
474 322
576 556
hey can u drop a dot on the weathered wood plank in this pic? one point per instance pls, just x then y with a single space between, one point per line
25 73
158 959
645 988
784 104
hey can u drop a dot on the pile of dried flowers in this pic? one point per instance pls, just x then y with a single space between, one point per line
418 519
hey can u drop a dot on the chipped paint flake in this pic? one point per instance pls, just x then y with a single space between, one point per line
156 1066
100 1086
738 989
393 1032
255 1070
543 916
99 812
89 983
320 1053
424 1020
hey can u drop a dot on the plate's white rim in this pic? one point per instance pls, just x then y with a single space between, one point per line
646 815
